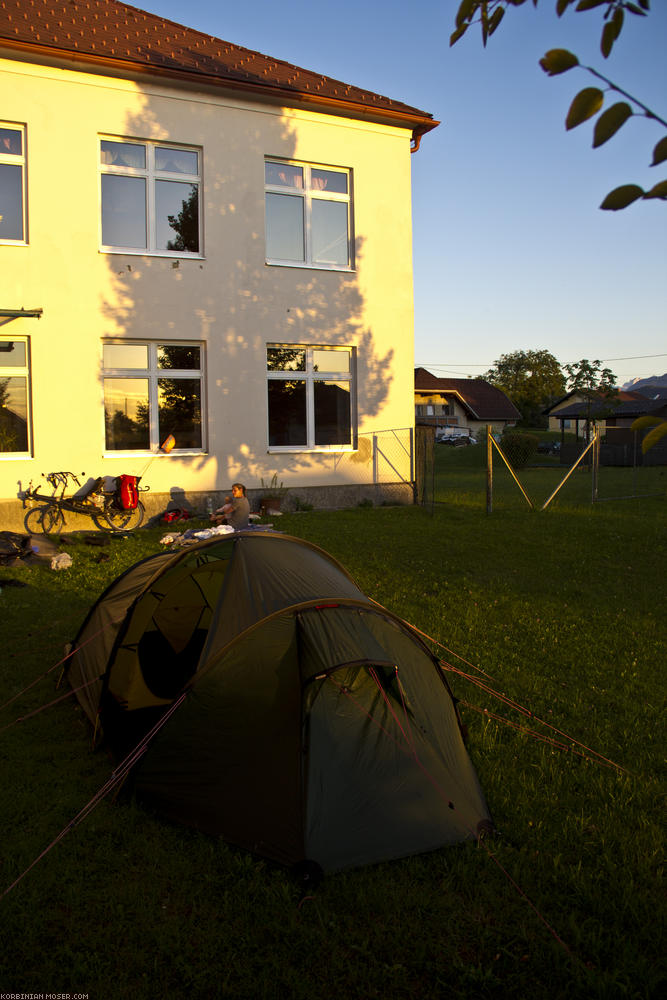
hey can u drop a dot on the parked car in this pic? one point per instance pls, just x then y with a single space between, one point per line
455 436
548 447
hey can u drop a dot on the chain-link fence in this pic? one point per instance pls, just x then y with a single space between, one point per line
501 473
623 471
381 470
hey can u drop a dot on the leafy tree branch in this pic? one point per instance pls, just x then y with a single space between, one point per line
588 102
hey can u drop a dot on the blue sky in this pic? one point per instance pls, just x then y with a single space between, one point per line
511 251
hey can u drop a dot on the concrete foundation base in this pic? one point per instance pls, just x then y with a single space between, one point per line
12 512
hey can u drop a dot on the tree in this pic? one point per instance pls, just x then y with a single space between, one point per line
531 379
595 384
186 224
7 433
588 102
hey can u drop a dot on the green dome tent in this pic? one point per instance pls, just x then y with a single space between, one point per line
307 722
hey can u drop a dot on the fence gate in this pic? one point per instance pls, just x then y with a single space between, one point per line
425 465
586 455
617 469
623 472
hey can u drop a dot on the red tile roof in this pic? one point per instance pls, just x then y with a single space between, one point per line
485 401
109 33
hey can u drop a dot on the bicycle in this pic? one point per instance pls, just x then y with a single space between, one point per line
103 506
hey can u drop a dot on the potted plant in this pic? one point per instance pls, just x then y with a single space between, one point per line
274 492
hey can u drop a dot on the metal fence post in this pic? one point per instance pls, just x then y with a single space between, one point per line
489 470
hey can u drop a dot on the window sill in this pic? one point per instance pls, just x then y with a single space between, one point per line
154 454
118 251
304 450
310 267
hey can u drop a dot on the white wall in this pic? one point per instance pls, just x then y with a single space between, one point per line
230 300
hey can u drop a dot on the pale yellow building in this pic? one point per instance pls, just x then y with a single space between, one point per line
198 241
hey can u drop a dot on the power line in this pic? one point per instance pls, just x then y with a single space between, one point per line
466 364
639 357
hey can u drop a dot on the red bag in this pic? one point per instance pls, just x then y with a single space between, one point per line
127 492
176 515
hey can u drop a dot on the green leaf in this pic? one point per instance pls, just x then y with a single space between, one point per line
586 104
496 18
465 12
557 61
634 9
621 197
610 32
455 35
484 17
608 39
654 436
589 4
644 4
610 121
641 423
660 152
561 6
658 190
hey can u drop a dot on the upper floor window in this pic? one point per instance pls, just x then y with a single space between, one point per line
12 184
308 215
150 197
14 397
152 391
432 410
310 397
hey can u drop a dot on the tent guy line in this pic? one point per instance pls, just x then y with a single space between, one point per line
50 704
598 757
116 778
595 755
61 663
121 772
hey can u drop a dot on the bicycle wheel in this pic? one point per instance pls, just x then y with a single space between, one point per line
113 519
45 520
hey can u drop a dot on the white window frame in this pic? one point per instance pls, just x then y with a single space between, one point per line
19 371
310 376
151 175
152 373
309 194
16 160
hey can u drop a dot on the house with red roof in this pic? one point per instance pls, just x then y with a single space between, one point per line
201 243
467 403
578 414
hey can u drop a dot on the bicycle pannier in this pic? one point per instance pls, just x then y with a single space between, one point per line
127 492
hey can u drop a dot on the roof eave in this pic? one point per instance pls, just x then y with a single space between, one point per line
286 96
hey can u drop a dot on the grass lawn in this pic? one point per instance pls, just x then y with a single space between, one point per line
563 609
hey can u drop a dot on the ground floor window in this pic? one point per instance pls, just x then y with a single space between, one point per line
14 397
311 397
152 391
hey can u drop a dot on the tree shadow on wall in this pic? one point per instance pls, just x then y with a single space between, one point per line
229 300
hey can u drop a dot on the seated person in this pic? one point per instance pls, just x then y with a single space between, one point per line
235 510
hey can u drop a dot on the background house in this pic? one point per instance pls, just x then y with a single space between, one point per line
202 241
571 412
613 419
461 402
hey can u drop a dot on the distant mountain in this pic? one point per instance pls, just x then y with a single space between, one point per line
654 385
